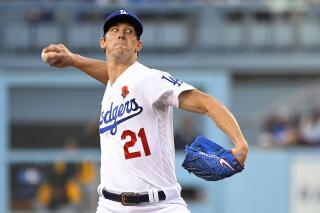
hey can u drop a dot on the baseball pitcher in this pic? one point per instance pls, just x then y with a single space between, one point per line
136 124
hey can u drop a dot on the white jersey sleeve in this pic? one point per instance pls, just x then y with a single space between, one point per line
162 89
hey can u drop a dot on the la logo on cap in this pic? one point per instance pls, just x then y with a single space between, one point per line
123 12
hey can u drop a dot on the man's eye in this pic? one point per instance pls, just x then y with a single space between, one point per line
114 29
129 31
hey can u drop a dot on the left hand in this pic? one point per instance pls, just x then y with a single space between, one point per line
210 161
241 153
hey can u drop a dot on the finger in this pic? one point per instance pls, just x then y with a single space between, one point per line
52 48
56 59
52 55
57 63
51 58
48 48
54 64
61 46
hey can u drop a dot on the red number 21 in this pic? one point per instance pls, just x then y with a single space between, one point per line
133 140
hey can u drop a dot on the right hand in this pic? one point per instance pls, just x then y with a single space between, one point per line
59 55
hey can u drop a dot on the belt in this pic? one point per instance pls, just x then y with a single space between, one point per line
131 198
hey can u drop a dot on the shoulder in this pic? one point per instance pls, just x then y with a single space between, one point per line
147 73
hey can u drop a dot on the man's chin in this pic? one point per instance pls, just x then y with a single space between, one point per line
121 55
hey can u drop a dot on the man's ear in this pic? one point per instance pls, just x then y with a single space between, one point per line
103 43
139 45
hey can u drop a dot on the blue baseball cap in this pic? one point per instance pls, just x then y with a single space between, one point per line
123 16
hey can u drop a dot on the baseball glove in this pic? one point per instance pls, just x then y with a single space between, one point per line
209 161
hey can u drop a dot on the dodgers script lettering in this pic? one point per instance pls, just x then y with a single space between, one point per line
110 119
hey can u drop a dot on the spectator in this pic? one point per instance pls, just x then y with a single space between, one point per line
279 130
310 128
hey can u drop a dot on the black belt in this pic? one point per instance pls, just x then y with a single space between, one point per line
131 198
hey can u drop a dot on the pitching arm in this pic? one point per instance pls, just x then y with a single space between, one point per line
61 57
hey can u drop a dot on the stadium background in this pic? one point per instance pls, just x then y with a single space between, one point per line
260 57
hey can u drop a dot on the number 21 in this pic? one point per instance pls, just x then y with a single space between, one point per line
133 140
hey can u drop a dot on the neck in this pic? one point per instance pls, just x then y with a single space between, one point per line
116 68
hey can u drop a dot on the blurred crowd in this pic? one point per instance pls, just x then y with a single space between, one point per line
59 186
71 187
128 2
284 129
65 187
47 10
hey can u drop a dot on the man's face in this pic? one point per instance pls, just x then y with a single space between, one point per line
121 42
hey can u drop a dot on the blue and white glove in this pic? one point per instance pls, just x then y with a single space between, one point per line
209 161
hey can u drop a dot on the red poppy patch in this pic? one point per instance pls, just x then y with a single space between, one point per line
124 91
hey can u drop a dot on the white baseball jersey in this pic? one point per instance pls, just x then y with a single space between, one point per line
136 130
